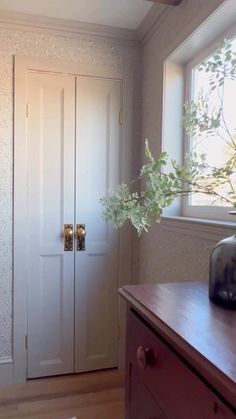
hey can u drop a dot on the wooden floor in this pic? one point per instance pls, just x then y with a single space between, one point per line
97 395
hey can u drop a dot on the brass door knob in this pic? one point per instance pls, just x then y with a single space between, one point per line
81 232
68 232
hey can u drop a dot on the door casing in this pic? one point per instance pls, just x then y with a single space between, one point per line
22 65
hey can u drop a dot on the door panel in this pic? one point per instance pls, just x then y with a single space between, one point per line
96 275
53 183
51 153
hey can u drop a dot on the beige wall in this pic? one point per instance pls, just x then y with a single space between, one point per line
163 254
86 49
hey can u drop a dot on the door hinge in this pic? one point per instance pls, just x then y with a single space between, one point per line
26 341
121 117
27 110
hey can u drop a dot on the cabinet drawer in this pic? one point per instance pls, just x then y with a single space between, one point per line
179 392
142 404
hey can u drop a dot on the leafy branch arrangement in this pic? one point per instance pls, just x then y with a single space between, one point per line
143 200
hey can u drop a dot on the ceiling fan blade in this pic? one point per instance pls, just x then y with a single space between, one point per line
171 2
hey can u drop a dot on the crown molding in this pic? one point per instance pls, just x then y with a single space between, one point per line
63 27
170 2
151 21
71 28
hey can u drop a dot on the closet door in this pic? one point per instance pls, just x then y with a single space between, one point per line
96 267
51 180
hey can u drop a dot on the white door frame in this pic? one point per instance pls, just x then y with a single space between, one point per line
23 65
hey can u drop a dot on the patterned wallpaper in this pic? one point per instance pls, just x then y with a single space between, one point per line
163 255
160 255
171 256
83 49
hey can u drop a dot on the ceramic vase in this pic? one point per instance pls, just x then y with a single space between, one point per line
222 281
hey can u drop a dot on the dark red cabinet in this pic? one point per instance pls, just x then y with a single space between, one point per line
161 381
142 405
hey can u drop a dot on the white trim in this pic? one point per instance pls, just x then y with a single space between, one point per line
6 374
202 228
6 371
172 106
149 25
188 210
206 212
206 52
6 360
216 25
221 22
151 22
22 66
70 28
19 224
63 27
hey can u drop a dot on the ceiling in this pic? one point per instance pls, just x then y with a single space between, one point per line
119 13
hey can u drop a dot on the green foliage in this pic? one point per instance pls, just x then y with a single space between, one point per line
143 204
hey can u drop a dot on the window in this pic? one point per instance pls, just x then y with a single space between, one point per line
182 82
214 146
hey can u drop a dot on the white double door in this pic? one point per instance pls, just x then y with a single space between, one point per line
73 160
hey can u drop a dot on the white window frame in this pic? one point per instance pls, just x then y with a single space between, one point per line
195 211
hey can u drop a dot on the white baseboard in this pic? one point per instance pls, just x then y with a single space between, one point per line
6 371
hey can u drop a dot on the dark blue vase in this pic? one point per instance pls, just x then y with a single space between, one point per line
222 285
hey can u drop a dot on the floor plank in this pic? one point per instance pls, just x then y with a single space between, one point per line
97 395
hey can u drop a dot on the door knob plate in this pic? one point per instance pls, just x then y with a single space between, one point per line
68 237
80 233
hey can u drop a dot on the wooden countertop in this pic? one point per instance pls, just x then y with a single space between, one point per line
205 334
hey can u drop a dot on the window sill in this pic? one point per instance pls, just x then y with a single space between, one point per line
213 230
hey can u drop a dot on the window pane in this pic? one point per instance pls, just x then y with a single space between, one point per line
215 146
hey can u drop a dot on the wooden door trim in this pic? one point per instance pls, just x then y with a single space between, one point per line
23 65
